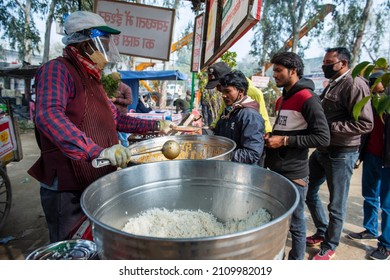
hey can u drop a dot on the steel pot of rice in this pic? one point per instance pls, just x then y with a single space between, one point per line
210 147
225 190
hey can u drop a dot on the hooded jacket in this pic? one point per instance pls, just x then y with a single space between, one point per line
243 124
301 117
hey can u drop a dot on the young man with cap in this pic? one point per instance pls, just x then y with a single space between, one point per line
240 120
220 69
75 121
375 155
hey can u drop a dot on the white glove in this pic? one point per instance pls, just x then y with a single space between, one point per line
166 126
118 155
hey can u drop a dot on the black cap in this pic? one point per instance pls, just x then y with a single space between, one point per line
216 72
374 76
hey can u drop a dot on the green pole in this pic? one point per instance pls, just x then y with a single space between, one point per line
192 92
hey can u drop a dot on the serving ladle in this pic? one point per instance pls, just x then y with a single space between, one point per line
170 150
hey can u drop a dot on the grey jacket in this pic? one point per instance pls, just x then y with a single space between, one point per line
338 104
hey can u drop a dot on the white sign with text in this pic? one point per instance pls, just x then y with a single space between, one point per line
146 31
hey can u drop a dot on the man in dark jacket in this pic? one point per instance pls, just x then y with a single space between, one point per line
375 154
300 125
182 106
241 120
335 163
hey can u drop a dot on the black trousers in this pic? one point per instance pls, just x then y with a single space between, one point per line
62 211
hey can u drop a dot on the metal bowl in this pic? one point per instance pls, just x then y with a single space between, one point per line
209 147
75 249
223 188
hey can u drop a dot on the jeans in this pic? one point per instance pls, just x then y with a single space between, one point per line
376 193
62 212
298 227
336 168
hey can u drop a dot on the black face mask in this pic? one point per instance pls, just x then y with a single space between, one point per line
328 70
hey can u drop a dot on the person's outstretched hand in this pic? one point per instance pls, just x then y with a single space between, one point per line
166 126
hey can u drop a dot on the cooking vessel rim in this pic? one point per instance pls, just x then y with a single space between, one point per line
195 239
184 137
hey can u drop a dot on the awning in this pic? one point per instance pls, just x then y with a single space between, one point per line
23 72
153 75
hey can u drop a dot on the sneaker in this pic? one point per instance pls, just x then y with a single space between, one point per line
324 255
364 235
314 240
381 253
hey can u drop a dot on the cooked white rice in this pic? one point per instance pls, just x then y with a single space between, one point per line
160 222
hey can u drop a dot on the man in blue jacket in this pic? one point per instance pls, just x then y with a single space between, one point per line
241 120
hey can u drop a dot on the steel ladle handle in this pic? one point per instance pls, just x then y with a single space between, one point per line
100 162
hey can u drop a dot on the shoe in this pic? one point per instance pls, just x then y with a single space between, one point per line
314 240
364 235
381 253
324 255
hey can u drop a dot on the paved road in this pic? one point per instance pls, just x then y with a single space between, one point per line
26 229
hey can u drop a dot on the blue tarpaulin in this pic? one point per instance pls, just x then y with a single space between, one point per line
153 75
132 78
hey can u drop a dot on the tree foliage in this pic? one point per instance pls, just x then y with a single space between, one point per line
18 26
280 19
358 23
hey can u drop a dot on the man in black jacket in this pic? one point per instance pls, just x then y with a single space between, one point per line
300 124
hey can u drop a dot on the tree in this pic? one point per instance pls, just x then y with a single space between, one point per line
18 26
280 20
356 24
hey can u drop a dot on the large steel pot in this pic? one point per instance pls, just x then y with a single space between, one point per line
225 189
191 147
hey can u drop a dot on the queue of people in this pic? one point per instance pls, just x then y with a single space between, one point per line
325 123
75 123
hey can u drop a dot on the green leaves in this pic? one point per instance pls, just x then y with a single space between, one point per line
110 85
359 106
359 68
380 103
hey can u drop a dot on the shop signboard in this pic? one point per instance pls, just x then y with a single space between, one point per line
146 31
226 21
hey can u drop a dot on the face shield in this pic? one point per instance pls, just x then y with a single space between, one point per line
104 43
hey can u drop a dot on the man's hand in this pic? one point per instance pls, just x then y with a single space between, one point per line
118 155
166 126
274 141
